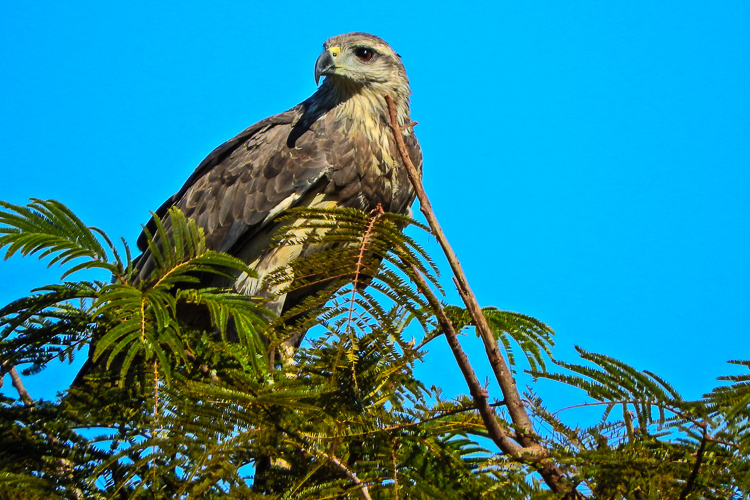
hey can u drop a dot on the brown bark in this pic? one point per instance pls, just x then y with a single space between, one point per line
526 446
15 379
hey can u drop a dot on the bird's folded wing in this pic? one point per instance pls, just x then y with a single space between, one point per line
249 180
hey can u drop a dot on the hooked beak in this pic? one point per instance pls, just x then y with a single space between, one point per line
324 65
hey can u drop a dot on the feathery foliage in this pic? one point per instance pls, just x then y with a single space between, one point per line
649 442
534 338
170 407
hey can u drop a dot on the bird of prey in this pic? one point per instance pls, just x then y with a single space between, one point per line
335 149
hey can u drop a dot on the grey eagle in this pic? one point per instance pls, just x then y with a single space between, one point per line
334 149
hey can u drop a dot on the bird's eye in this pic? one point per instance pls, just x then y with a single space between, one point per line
363 53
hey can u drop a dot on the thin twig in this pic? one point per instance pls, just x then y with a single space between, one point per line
530 445
308 448
478 393
374 214
696 468
628 419
657 404
156 411
15 379
394 463
502 373
65 466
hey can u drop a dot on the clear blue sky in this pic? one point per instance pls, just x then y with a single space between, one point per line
589 161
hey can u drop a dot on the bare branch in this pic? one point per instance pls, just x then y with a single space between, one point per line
502 373
15 379
696 468
308 448
478 393
363 490
530 450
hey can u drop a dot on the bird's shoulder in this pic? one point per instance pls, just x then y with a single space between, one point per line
216 160
270 166
267 165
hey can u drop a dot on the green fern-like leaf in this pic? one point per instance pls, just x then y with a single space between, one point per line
48 228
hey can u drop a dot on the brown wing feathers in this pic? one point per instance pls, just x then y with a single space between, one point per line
334 149
281 161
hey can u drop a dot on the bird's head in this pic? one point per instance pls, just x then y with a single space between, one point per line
359 62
